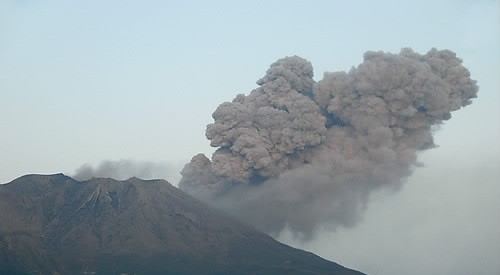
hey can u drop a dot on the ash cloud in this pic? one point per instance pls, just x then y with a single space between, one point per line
299 154
122 170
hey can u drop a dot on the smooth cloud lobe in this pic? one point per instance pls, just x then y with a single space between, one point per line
300 154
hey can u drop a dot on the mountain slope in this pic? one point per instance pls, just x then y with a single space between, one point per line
57 225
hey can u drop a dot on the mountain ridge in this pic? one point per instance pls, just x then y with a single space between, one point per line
53 224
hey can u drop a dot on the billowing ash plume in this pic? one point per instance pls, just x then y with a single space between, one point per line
300 154
122 170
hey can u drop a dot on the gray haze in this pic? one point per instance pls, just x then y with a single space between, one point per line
124 169
444 220
302 155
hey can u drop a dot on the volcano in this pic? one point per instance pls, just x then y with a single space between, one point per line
53 224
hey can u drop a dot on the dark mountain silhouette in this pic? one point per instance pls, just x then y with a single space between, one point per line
57 225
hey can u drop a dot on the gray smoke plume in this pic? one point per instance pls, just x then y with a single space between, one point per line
122 170
300 154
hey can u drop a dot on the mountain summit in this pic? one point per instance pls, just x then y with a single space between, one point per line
53 224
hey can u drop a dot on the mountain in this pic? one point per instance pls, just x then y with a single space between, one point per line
53 224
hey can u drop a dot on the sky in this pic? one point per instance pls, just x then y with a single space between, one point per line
82 82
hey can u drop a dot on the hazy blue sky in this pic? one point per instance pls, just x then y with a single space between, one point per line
88 81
